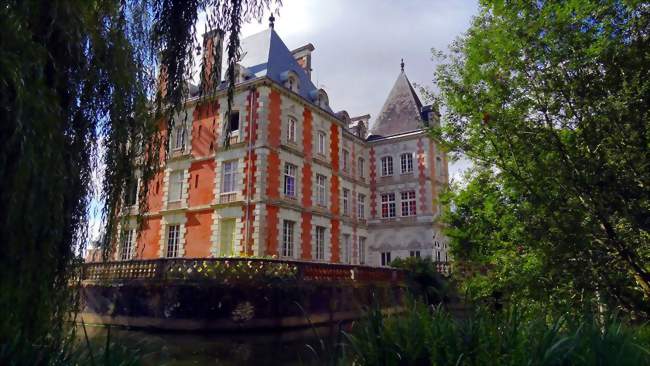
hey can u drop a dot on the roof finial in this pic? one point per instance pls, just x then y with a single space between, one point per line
271 21
402 65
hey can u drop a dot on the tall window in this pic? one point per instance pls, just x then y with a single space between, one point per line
132 192
233 124
228 176
178 138
175 186
362 250
408 203
438 167
388 205
386 166
321 189
290 180
361 206
346 248
321 142
234 121
406 163
346 161
173 236
287 238
346 202
385 258
128 245
361 167
320 243
291 130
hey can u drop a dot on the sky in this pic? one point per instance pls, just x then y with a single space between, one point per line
359 45
358 48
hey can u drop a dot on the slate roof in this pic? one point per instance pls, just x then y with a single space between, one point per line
265 54
401 112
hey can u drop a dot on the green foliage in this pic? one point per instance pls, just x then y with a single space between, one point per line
550 102
78 91
430 336
73 350
423 279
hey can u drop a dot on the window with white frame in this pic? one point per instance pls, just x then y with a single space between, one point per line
388 205
406 163
362 250
178 138
385 258
361 167
414 253
346 248
346 161
320 243
361 206
127 248
321 190
291 129
321 142
290 180
386 166
173 238
175 186
287 238
408 203
346 202
229 177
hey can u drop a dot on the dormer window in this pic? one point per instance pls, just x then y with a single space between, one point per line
319 97
323 101
292 84
291 80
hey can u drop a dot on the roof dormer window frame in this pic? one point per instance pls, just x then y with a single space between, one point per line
291 81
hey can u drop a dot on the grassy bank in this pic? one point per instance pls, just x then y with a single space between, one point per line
426 335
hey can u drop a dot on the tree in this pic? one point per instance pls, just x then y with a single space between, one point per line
72 74
551 100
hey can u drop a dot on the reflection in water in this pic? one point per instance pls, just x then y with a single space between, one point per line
296 347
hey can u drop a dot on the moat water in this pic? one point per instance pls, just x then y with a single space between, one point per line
313 346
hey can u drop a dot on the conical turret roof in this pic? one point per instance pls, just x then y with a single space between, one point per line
401 110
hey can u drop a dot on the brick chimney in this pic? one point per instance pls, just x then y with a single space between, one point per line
303 56
212 57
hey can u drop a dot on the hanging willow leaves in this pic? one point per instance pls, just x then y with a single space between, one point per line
79 91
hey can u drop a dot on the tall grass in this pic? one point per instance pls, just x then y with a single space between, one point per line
426 335
75 349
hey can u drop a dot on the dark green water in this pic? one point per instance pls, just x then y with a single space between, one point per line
241 349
